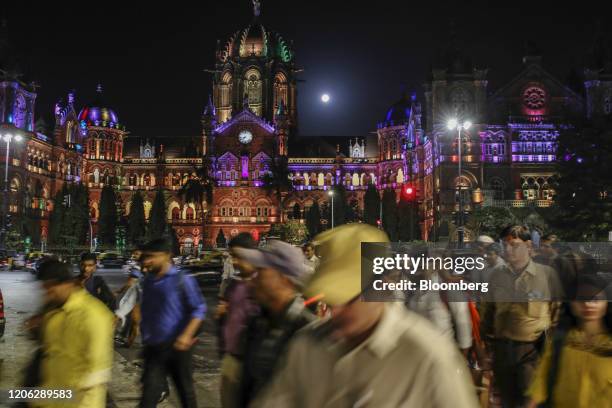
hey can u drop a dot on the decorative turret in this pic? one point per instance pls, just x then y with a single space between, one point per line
282 123
209 122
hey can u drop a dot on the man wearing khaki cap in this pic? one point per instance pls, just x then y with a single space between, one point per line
367 354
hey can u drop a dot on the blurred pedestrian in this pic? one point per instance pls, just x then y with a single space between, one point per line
311 260
128 313
77 340
372 354
576 368
172 311
233 313
95 284
276 283
521 307
547 251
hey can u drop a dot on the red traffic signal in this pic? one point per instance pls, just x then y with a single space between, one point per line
409 192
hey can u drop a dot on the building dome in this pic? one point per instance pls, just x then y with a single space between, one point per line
98 114
400 111
255 41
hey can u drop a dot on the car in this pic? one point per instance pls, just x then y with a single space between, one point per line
2 318
111 260
205 278
32 262
19 262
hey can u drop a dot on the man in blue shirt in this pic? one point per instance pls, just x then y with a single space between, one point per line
172 311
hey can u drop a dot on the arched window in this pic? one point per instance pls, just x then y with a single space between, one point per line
189 213
459 102
96 175
252 87
281 90
224 104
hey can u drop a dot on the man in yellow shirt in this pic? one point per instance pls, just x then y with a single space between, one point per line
77 340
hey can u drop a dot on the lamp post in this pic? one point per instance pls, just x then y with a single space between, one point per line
5 195
331 194
459 126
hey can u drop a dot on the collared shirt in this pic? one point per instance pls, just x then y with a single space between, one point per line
78 348
522 306
168 305
405 362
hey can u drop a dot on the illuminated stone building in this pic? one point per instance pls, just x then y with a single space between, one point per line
250 119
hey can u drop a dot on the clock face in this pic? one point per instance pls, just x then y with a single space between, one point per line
534 97
245 137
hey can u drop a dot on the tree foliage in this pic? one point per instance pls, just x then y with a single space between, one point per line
157 217
107 222
313 220
371 205
137 225
389 213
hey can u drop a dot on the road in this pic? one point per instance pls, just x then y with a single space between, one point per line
22 296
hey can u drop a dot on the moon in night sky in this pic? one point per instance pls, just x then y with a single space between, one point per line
325 98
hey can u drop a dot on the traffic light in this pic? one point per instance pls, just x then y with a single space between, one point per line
409 192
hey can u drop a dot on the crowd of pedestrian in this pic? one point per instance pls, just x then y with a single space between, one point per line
295 328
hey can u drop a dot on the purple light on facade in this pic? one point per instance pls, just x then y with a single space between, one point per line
245 166
579 160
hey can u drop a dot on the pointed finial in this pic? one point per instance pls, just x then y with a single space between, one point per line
71 97
99 88
210 109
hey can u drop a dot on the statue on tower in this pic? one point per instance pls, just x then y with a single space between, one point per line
256 7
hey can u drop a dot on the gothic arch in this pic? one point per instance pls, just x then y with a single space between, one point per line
253 89
281 89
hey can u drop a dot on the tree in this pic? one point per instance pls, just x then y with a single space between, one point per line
56 218
340 205
221 241
137 224
583 198
176 246
197 189
107 222
313 220
294 232
389 213
408 225
490 220
70 217
157 218
371 205
276 181
297 212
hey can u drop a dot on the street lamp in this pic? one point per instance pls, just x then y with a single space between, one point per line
331 194
459 126
5 198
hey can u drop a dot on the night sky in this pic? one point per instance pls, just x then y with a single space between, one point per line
150 59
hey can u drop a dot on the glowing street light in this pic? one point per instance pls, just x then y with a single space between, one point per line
454 124
331 194
7 137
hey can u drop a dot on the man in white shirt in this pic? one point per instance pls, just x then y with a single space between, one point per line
367 354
